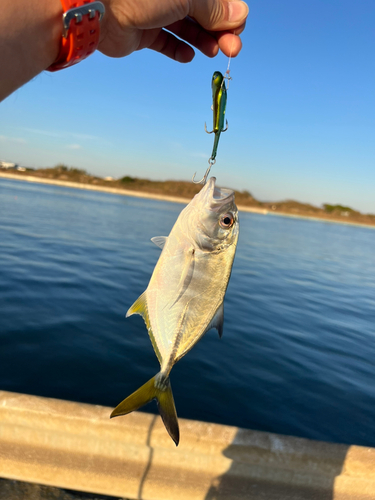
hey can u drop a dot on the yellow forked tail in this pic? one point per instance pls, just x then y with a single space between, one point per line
162 392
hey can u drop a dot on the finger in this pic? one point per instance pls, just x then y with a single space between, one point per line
169 45
229 44
219 15
194 34
239 30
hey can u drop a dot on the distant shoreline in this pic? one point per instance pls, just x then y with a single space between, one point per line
90 187
124 192
174 199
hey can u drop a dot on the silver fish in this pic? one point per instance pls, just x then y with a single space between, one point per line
184 298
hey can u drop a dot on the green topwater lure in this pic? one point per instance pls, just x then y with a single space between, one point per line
219 104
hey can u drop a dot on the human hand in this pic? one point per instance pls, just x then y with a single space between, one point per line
166 25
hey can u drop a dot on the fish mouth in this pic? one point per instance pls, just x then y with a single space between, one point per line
217 197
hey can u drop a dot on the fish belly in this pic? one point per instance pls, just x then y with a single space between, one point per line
181 312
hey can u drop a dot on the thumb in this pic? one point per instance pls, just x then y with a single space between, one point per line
219 15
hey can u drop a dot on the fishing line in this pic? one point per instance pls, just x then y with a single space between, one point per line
227 73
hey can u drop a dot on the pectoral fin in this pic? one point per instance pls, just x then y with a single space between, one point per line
186 275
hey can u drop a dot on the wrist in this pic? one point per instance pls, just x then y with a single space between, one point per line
50 32
30 34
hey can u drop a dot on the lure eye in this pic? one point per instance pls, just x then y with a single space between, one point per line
226 221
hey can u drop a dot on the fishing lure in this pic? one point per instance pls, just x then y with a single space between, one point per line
219 104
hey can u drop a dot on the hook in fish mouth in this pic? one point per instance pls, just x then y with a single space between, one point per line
203 181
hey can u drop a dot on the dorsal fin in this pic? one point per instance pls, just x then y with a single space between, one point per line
218 320
159 241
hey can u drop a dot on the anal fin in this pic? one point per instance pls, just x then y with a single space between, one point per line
139 307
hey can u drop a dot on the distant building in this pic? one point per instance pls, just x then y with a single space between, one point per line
7 165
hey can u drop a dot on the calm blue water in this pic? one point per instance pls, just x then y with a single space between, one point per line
298 351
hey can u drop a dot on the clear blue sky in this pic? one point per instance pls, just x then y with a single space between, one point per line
301 110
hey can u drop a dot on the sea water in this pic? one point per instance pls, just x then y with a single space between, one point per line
297 355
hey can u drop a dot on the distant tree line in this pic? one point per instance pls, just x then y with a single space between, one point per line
340 208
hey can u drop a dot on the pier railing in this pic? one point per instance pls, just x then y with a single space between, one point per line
76 446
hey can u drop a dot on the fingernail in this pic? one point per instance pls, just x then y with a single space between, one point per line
237 10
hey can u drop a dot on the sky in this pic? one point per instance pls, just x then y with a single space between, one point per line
301 110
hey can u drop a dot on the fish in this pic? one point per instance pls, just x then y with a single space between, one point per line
185 294
219 104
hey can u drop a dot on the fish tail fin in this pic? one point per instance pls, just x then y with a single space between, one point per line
157 388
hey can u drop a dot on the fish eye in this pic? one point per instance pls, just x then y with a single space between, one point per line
226 221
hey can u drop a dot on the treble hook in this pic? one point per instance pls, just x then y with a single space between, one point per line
215 131
204 178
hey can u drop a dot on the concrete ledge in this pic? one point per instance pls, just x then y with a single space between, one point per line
76 446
